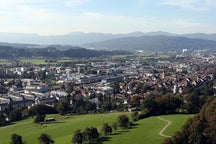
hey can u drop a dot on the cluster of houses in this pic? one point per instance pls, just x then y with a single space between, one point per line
94 77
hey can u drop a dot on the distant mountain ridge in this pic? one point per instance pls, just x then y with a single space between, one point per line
80 38
154 44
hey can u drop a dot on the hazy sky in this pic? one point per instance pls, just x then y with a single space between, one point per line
48 17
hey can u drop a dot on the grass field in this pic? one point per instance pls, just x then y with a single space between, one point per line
145 132
43 62
5 63
34 61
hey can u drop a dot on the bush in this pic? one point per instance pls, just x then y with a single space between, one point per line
135 116
106 129
39 118
123 121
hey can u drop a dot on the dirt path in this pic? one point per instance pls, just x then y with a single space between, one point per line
164 128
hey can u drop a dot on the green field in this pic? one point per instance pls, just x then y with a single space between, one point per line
34 61
43 62
5 63
145 132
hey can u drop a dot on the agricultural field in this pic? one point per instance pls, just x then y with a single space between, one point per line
5 63
34 61
145 131
44 62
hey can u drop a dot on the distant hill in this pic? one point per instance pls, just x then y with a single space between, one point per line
154 43
51 52
201 36
80 38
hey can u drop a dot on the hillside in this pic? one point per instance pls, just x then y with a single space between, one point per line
51 52
199 130
62 130
154 44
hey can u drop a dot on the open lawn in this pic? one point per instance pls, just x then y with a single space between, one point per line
147 130
144 132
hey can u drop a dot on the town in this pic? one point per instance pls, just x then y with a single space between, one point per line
126 81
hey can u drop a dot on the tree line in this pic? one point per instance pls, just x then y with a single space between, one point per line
89 135
200 129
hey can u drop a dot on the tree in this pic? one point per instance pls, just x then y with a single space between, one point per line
45 139
78 137
106 129
115 125
91 134
123 121
2 119
62 107
200 129
16 139
15 115
135 116
41 110
39 118
149 104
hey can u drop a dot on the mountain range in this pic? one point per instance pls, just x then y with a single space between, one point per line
155 43
80 38
152 41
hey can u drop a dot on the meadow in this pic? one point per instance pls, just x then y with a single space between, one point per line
144 132
5 63
44 62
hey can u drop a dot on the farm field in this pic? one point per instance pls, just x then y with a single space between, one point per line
145 131
5 63
43 62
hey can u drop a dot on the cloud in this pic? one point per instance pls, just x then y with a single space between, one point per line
189 26
193 5
186 23
93 15
74 2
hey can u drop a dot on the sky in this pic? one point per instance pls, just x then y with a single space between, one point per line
56 17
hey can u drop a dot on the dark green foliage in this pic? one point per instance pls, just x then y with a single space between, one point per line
16 139
41 110
90 134
123 121
62 107
115 125
39 118
106 106
45 139
15 115
82 106
2 119
135 116
199 130
78 137
106 129
51 52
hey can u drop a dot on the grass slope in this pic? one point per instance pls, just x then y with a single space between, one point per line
146 131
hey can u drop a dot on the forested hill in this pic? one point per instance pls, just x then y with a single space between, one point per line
154 44
199 130
77 52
